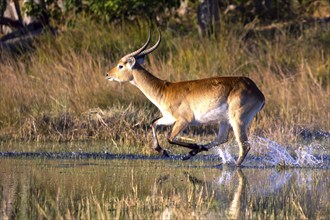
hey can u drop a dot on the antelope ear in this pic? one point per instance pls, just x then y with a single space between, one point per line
131 62
140 60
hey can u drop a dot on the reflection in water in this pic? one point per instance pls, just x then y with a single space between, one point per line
14 191
158 189
258 185
237 205
8 197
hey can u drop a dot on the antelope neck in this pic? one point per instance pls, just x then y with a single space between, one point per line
151 86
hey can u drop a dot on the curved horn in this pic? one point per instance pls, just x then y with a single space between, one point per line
138 50
145 52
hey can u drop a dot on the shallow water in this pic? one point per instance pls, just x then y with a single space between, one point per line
273 183
148 188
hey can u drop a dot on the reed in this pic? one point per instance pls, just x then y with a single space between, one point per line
195 202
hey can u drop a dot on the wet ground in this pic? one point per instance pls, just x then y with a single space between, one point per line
265 153
214 160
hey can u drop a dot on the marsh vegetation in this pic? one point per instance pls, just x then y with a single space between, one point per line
149 189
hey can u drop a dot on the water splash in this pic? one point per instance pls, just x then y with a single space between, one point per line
271 153
304 156
225 156
275 154
225 177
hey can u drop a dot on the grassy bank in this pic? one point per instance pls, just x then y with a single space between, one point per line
57 91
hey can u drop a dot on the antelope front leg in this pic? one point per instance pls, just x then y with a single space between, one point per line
156 146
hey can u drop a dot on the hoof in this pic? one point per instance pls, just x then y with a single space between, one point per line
239 161
239 165
219 165
203 148
186 157
165 153
190 154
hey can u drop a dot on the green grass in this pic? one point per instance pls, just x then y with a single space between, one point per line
58 92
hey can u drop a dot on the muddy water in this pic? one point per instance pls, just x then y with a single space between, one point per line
141 188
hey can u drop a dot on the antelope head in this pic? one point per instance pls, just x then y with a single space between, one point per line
123 72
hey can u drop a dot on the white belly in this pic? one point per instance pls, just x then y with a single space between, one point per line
212 116
167 119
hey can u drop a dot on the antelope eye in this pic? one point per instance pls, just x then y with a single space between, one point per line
120 66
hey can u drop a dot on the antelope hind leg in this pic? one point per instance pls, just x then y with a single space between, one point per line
221 138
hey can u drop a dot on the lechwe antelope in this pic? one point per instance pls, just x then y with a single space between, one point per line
228 101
